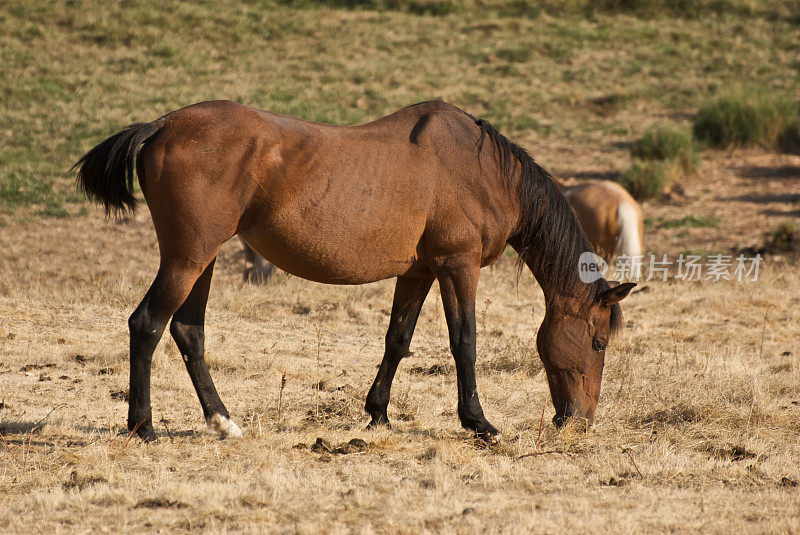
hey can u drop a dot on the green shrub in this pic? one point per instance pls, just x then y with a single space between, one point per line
646 179
742 119
663 154
668 142
789 140
785 238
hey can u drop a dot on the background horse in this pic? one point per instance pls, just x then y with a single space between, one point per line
256 268
428 192
611 219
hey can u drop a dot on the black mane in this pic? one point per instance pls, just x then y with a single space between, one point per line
550 240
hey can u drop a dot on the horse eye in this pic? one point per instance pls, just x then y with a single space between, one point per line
597 345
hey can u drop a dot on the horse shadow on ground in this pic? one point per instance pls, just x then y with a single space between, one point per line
767 198
595 175
780 172
782 213
21 432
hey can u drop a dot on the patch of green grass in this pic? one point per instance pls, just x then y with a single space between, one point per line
418 7
76 72
514 54
687 221
645 179
668 143
21 189
51 210
753 117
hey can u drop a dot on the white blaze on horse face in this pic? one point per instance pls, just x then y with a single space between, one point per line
628 242
223 426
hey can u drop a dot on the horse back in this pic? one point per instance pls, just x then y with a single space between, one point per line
315 198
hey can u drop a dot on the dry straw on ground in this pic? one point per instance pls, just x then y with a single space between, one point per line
697 427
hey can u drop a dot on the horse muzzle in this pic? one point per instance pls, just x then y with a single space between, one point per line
569 411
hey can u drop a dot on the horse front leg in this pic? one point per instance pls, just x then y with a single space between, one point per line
458 282
409 295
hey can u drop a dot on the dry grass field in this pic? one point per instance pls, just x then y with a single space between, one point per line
698 427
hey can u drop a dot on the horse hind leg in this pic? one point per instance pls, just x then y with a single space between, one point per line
187 329
192 217
169 290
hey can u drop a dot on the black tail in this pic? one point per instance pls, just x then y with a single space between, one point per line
106 172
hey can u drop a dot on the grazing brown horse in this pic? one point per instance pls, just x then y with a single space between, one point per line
610 217
426 193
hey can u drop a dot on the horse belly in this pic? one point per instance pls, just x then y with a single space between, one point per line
343 216
325 250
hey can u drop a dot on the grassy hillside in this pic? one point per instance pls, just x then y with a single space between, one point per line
577 72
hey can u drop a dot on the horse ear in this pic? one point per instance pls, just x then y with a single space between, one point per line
616 293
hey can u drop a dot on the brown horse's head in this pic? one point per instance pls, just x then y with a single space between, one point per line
582 313
572 342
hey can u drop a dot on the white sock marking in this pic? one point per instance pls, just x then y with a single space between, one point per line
223 426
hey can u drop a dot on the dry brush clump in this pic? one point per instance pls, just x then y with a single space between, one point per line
747 117
664 155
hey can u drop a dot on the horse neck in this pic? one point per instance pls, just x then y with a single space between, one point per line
555 268
554 288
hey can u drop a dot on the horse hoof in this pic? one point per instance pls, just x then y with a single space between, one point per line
483 430
378 423
147 434
480 426
223 426
488 439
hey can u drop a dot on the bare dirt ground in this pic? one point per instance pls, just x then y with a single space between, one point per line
697 428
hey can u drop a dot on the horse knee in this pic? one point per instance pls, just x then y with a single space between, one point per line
397 344
144 328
